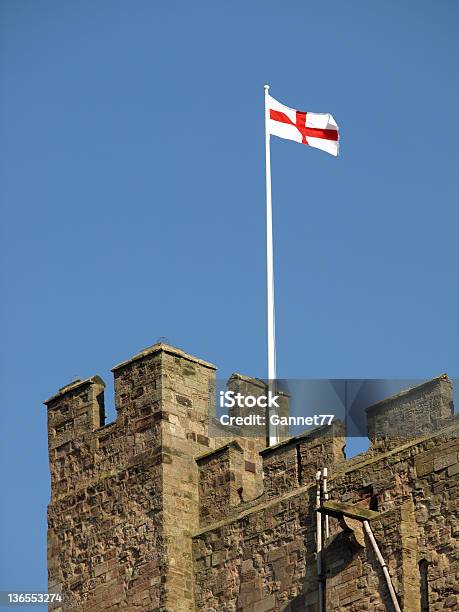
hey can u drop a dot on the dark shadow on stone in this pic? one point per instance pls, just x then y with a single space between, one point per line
340 547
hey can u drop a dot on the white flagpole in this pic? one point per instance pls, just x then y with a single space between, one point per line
272 430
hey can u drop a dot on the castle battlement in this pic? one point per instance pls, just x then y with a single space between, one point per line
152 512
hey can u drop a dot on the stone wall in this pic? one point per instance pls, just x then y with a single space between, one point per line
414 412
220 482
262 558
124 496
105 539
152 513
295 462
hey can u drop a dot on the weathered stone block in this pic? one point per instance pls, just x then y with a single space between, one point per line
267 604
419 411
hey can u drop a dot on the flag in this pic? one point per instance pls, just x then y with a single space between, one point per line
318 130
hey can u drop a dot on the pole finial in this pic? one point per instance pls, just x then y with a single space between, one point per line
266 89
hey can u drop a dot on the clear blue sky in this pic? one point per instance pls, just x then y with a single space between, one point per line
132 195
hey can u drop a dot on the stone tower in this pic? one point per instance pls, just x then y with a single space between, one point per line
124 496
150 513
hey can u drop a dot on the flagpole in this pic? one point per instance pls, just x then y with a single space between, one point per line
271 430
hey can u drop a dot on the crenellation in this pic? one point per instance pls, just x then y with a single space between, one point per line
154 512
294 462
411 413
220 481
256 388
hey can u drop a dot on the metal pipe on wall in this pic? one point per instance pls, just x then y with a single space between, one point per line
369 532
319 538
325 488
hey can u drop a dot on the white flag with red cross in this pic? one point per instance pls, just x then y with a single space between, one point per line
318 130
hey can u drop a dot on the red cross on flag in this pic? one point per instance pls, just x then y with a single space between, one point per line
318 130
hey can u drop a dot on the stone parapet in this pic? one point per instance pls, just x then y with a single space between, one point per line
415 412
264 557
220 481
295 462
154 513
